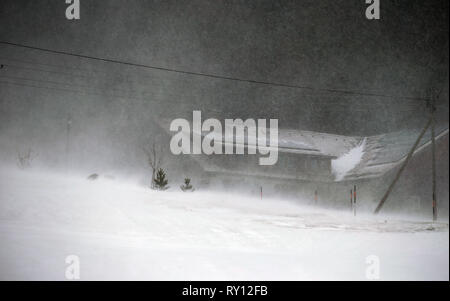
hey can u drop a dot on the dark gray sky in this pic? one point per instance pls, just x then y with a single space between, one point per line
321 44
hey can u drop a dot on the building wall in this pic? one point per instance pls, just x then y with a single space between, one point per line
288 166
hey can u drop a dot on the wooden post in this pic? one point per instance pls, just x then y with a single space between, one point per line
68 126
351 200
354 200
411 152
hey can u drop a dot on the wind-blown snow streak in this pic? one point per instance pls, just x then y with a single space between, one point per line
345 163
123 231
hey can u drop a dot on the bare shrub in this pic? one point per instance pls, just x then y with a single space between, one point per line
25 158
154 155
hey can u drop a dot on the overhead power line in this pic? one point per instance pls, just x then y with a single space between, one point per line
64 84
89 93
321 95
46 71
208 75
321 98
80 92
130 93
102 93
49 65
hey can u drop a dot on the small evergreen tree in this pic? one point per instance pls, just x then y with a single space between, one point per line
160 180
187 185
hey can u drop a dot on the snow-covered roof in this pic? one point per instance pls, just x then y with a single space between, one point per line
383 152
305 142
299 142
325 144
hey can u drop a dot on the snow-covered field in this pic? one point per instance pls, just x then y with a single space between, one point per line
120 230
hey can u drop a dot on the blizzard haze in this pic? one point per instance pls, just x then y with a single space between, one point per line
83 102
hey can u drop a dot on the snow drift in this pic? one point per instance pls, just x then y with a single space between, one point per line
345 163
122 231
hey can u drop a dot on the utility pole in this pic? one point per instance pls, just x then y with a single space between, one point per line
432 106
411 152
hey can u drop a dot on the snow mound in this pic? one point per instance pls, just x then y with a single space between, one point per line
345 163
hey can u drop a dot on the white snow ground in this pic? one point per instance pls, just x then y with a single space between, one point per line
121 231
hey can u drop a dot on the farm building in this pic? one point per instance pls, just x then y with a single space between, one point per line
306 168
